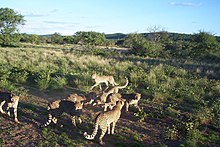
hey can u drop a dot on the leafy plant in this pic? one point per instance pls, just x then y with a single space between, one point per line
58 83
170 133
141 115
216 113
193 137
10 20
19 76
1 142
43 80
4 72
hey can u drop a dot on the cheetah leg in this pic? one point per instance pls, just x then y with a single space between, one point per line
96 84
16 115
54 120
127 106
80 120
102 135
74 121
1 110
136 105
113 127
106 83
109 128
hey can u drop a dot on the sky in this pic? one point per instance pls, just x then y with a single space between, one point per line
116 16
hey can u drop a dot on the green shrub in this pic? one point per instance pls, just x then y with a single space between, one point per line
19 76
7 85
216 112
194 136
43 80
170 133
4 72
136 137
141 115
1 141
141 46
103 52
57 83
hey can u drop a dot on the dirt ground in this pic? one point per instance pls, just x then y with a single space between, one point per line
32 112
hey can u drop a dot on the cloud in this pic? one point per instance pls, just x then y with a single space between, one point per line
60 22
30 13
35 15
185 4
92 27
54 10
42 29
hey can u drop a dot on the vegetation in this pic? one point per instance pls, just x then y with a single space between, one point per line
9 20
201 46
177 75
187 101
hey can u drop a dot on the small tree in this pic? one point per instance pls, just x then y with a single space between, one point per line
206 45
57 38
31 38
141 46
9 20
69 39
90 38
157 34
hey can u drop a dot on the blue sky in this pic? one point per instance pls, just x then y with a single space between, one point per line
116 16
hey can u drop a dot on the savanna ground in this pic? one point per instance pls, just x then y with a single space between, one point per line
32 112
174 101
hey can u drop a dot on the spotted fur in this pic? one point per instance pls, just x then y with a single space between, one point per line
7 101
58 107
104 120
112 100
131 99
103 79
114 89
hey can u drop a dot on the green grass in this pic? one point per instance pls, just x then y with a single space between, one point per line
170 91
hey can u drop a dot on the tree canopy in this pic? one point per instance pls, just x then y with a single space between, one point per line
90 38
9 21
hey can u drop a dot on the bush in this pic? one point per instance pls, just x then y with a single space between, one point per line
216 113
19 76
4 72
170 133
58 83
141 115
193 137
146 48
43 80
205 45
103 52
90 38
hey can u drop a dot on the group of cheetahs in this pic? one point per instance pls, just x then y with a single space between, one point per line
110 99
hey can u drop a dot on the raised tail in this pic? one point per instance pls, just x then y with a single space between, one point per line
48 121
126 84
115 83
50 118
91 137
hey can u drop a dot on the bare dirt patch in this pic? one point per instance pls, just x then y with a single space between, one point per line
32 112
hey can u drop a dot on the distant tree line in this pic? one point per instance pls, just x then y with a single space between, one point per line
82 38
199 46
157 43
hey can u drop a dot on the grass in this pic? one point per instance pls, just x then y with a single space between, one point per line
170 94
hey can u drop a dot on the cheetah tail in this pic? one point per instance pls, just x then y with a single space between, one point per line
90 137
